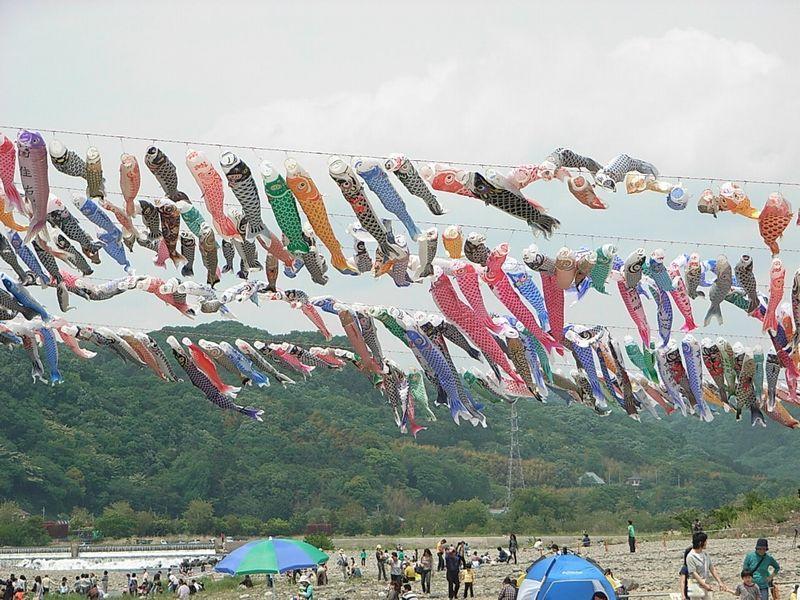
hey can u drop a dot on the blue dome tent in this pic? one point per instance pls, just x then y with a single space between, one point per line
564 577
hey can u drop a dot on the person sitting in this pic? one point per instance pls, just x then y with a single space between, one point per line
306 589
408 593
409 574
502 555
246 582
621 587
475 560
509 591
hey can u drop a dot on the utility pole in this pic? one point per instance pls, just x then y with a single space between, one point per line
515 477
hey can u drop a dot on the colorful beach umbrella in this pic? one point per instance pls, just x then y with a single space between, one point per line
273 555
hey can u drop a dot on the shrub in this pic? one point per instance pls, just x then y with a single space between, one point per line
319 540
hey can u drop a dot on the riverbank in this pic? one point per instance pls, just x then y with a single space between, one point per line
655 566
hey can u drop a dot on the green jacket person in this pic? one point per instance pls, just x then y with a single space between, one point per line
759 562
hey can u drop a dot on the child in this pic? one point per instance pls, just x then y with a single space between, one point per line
363 557
468 578
747 590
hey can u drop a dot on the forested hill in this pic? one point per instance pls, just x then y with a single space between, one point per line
329 449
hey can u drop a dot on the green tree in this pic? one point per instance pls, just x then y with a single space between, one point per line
19 529
467 515
231 525
276 527
199 517
319 540
94 441
351 519
80 517
117 521
360 489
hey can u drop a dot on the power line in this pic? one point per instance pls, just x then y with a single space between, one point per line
220 145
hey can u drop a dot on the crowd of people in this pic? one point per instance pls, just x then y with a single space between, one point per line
408 574
404 571
97 588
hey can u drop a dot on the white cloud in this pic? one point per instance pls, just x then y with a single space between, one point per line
689 101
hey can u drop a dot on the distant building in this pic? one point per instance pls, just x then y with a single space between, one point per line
57 529
590 478
325 528
634 481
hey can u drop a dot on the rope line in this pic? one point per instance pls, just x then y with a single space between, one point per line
277 149
566 234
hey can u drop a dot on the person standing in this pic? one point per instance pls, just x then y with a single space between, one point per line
631 536
452 563
468 579
700 569
441 547
8 591
363 557
38 589
759 563
104 583
460 552
426 566
133 585
341 562
395 569
683 576
747 590
380 559
513 546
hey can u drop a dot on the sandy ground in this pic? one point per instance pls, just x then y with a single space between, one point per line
653 566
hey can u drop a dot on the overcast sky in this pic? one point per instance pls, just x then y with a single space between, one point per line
699 89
